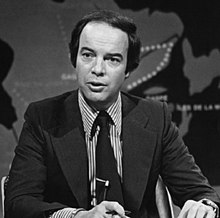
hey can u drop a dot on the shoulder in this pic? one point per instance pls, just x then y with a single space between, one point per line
146 104
49 102
157 112
50 109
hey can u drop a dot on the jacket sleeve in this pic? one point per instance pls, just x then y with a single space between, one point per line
28 174
180 172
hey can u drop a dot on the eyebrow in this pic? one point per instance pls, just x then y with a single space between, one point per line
108 54
86 48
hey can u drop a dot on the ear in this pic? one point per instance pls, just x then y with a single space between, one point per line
127 74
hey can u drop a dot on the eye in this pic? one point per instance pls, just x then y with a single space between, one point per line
87 55
114 60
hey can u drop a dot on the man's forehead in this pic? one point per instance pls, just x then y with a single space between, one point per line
101 33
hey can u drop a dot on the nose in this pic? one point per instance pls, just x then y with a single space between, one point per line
99 67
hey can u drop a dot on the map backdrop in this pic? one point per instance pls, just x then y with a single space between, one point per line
180 63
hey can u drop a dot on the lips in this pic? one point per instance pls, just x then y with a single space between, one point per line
96 85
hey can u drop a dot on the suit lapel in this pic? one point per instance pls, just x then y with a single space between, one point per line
138 149
70 148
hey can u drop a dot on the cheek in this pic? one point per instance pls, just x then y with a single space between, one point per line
81 72
83 67
118 79
80 78
121 75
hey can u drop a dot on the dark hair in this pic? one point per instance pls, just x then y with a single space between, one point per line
115 20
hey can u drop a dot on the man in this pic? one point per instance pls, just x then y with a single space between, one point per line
54 173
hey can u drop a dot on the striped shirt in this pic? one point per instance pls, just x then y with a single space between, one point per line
88 117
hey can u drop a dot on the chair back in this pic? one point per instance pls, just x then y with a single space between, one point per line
4 181
163 200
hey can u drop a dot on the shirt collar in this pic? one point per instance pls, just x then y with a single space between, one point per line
89 114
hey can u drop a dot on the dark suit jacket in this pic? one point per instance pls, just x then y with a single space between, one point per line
50 169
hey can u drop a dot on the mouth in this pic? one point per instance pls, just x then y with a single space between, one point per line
96 86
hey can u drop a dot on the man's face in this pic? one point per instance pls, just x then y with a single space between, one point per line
101 63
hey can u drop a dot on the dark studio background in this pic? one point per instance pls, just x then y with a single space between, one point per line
180 64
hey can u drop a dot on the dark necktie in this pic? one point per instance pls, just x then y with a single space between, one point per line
106 166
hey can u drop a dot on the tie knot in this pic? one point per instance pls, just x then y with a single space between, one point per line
103 119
